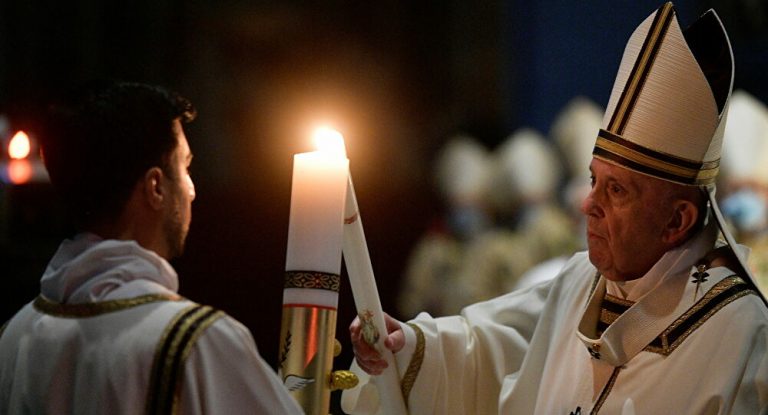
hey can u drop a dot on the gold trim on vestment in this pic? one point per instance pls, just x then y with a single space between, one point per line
160 378
595 280
704 302
617 300
606 391
666 342
608 317
198 331
172 350
611 308
50 307
409 379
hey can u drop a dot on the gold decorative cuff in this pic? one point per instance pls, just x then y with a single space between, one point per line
415 365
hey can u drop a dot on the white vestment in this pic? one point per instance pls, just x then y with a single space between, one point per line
689 343
90 343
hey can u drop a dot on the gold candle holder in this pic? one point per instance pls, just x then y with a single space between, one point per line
307 338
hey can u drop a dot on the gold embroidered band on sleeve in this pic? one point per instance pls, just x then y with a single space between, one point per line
409 379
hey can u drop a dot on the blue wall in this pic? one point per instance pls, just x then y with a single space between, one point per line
558 50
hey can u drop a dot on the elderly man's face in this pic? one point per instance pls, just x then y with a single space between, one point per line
626 216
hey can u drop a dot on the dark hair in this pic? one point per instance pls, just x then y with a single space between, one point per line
101 139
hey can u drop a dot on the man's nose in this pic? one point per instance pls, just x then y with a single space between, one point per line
191 188
589 206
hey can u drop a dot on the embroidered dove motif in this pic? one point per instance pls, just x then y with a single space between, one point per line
294 383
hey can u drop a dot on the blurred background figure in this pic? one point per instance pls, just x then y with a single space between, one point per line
511 216
530 226
526 173
744 167
573 132
431 277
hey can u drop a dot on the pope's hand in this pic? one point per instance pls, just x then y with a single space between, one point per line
367 357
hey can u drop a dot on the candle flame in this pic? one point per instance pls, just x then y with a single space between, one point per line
19 146
329 141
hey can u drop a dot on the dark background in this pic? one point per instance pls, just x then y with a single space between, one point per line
397 78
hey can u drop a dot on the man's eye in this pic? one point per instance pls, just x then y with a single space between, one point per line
616 189
592 181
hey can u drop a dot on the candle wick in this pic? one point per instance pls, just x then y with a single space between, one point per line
351 219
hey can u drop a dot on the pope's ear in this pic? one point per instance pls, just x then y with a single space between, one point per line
153 189
683 220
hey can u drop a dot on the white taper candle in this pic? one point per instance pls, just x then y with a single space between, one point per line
367 302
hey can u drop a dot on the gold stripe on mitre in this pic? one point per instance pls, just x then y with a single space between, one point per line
641 68
618 150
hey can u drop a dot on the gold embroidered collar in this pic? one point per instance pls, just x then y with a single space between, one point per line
51 307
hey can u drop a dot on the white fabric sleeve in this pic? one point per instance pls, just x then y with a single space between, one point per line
466 357
405 355
752 394
224 374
